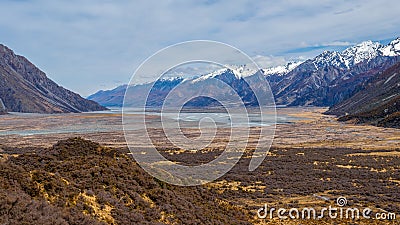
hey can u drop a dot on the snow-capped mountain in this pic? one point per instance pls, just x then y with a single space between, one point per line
392 49
162 87
235 75
364 51
322 81
353 55
332 76
329 58
244 70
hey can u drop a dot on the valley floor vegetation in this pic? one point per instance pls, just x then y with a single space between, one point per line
77 181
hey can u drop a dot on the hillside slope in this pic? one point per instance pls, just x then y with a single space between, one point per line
377 101
25 88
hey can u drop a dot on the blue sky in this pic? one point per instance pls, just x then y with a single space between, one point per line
97 44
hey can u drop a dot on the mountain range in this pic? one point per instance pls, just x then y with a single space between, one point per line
25 88
325 80
339 80
331 77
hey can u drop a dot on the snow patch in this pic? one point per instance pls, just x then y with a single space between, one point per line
210 75
364 51
392 49
281 70
390 78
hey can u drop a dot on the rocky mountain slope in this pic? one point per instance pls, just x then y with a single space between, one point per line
25 88
377 101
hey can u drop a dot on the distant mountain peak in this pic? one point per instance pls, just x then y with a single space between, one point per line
243 70
363 51
171 79
329 58
392 49
227 72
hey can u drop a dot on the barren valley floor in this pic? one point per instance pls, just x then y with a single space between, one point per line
312 161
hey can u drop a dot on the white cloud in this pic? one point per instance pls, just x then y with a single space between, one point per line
85 45
337 43
269 61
